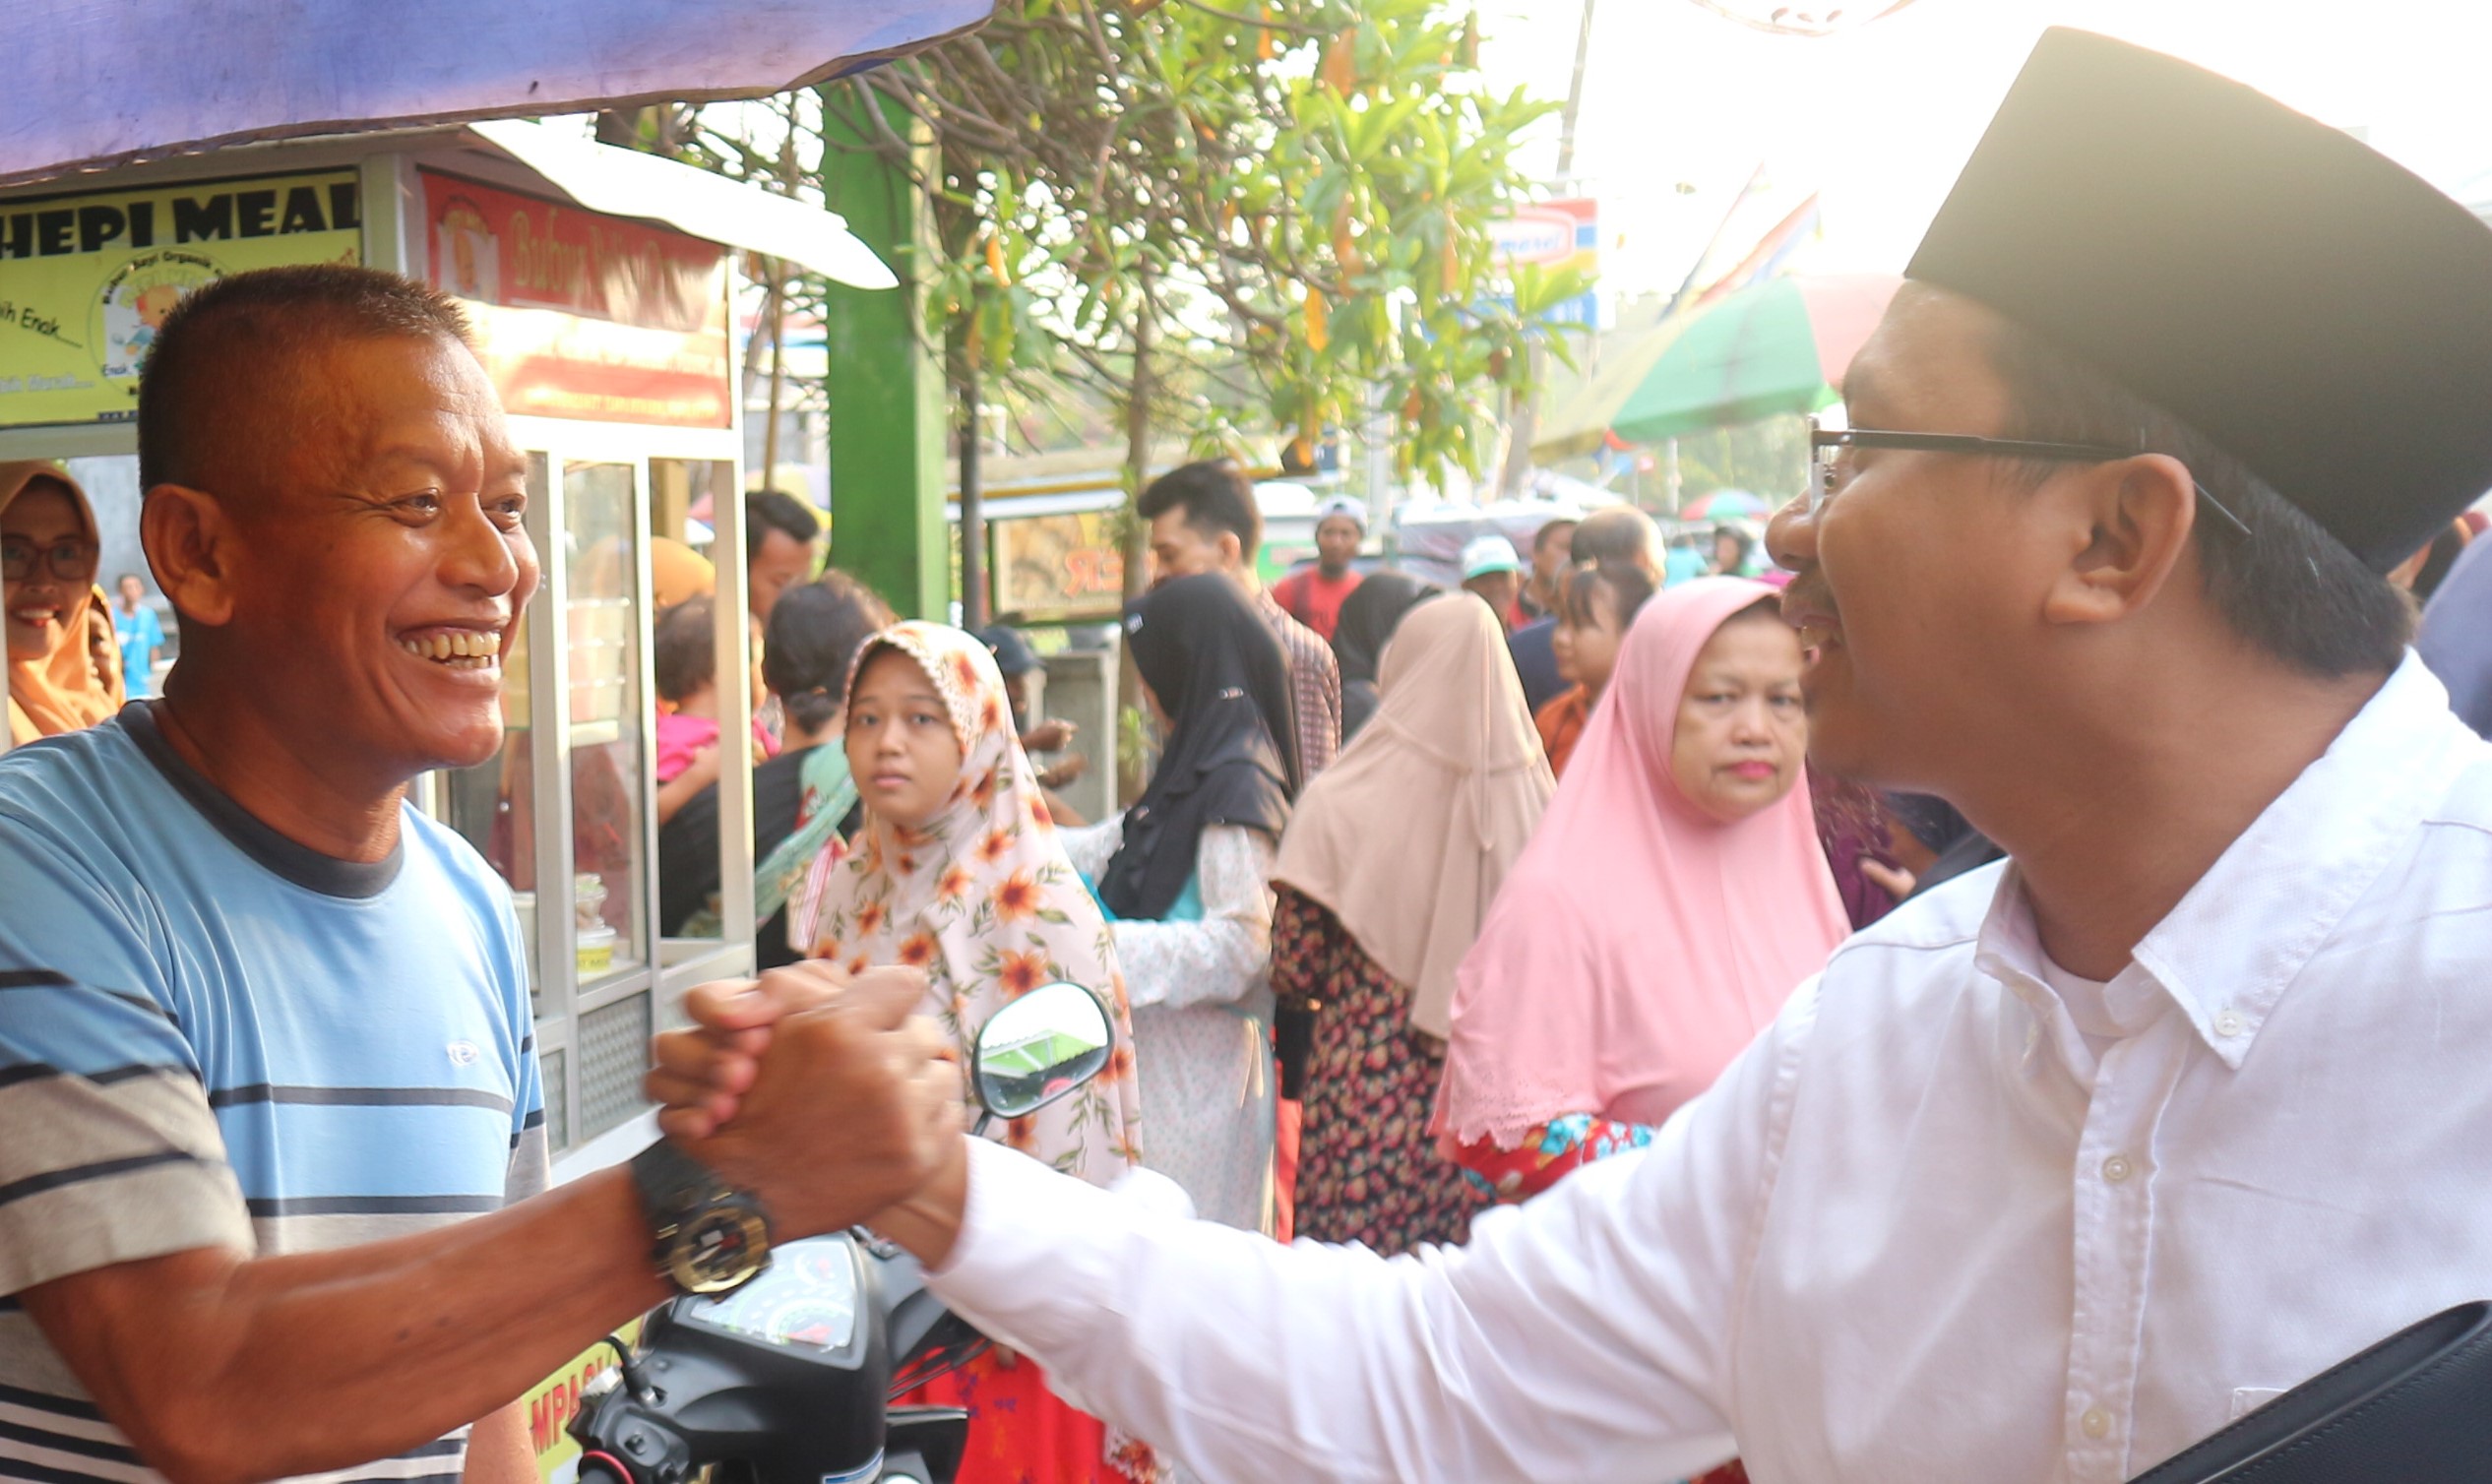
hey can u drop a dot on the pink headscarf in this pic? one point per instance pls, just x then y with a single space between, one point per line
1638 945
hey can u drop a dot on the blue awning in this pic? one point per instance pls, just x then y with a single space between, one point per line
99 83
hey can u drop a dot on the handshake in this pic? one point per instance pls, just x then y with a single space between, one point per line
822 1095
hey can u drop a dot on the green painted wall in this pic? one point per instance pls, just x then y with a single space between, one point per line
887 425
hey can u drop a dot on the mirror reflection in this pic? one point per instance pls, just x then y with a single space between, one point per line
1040 1047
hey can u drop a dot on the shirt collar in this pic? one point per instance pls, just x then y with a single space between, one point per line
2010 951
289 858
2226 953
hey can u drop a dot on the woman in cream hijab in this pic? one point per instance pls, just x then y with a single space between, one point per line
1385 874
64 668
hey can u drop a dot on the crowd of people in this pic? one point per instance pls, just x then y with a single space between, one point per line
1374 965
1363 988
1433 904
1431 899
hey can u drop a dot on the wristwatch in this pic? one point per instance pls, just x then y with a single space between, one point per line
711 1237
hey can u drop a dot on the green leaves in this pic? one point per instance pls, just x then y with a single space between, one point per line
1288 200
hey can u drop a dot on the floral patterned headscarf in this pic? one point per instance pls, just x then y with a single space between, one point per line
983 899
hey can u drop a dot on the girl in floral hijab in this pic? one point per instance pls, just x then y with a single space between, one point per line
977 892
982 898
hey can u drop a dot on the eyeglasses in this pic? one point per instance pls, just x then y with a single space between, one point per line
72 561
1828 467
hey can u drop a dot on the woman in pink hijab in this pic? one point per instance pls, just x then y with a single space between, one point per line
1672 899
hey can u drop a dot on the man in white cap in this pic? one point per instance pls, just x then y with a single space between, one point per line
1493 569
1313 595
2072 1161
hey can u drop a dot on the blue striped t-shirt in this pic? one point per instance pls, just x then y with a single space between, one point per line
212 1035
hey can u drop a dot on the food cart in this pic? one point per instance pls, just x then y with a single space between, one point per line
600 283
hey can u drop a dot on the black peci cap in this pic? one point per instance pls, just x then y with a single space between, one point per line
2302 300
1013 654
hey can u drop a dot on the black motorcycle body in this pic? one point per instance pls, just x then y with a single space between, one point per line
788 1379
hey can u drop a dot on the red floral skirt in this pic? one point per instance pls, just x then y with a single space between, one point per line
1022 1433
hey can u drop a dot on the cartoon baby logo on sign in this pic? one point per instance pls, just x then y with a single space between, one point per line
133 305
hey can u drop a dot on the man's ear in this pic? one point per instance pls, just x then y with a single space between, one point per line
191 543
2131 521
1232 551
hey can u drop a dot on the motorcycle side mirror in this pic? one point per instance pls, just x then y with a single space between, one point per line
1041 1046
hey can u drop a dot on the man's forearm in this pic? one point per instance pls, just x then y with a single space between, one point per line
205 1358
498 1449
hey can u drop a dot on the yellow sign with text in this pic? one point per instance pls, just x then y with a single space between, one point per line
86 280
556 1401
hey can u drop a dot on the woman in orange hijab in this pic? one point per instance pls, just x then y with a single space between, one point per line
64 669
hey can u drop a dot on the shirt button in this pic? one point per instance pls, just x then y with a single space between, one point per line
2116 1169
2096 1422
2231 1022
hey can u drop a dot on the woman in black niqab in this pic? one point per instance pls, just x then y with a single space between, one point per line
1230 757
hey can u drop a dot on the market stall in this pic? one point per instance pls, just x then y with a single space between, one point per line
600 284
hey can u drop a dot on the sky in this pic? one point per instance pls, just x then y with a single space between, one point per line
1682 107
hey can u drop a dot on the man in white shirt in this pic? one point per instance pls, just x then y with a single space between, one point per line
2067 1164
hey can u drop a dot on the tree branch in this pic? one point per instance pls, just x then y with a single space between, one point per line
1263 22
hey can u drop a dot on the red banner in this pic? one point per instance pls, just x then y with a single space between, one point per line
581 315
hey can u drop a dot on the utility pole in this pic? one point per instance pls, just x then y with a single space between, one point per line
889 423
1574 100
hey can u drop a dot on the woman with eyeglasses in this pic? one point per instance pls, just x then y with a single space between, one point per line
63 667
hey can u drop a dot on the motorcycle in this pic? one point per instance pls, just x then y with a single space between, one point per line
791 1377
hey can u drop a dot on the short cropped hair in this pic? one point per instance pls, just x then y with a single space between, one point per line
684 649
1215 496
1550 530
236 346
1620 534
769 510
2289 588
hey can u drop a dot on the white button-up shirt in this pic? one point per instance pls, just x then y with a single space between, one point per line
1920 1230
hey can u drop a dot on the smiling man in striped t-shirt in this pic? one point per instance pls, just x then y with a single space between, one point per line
273 1136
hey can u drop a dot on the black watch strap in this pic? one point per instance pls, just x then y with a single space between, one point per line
706 1236
671 1183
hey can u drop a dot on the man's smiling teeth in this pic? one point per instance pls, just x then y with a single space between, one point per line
459 648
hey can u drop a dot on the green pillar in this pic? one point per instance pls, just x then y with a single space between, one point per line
886 435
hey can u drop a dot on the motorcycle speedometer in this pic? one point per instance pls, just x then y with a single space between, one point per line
807 1303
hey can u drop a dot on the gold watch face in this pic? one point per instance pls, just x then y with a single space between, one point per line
718 1249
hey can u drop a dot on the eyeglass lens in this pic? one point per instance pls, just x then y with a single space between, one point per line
69 559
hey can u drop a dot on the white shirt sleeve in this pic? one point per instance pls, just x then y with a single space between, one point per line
1091 846
1222 957
1585 1335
